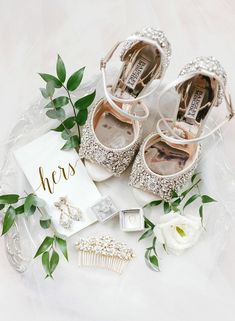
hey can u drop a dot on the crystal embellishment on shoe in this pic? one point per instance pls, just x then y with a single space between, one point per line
152 34
115 161
103 252
144 58
161 185
201 85
168 158
208 64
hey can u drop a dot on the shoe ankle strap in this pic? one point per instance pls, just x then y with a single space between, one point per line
175 138
127 111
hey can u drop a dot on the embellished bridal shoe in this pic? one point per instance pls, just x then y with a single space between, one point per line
168 157
112 135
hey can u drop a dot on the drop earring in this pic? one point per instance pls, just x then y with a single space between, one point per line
68 212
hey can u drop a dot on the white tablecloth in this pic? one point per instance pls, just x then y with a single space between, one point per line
198 285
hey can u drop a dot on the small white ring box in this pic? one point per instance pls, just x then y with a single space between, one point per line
132 220
104 209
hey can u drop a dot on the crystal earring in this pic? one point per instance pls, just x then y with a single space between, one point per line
68 213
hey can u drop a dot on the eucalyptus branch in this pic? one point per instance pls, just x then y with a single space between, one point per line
56 105
61 122
74 110
9 203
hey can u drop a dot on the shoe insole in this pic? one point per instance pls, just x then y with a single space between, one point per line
138 71
112 132
197 96
163 159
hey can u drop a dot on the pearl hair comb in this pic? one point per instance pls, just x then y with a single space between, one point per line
103 252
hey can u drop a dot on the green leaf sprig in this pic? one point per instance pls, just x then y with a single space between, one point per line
56 105
49 254
9 203
177 203
151 256
14 205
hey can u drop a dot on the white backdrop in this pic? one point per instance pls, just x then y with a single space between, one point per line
192 287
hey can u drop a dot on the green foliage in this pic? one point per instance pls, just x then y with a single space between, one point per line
54 261
191 199
45 223
166 207
75 80
49 255
9 219
55 81
60 69
177 203
201 211
56 105
153 203
148 223
28 206
72 142
84 102
9 199
46 263
82 117
67 124
146 234
58 102
62 245
207 199
20 209
151 257
31 203
57 113
47 242
55 110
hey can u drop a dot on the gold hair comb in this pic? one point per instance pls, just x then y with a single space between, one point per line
103 252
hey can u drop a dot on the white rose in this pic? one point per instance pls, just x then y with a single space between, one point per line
178 232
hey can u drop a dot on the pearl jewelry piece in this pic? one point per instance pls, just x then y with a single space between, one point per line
68 213
103 252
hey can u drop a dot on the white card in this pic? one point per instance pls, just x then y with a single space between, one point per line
41 161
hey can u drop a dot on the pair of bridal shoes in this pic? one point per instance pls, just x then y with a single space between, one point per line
165 160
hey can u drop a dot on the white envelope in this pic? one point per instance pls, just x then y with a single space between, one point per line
44 155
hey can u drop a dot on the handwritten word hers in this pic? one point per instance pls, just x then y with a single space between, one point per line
48 183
